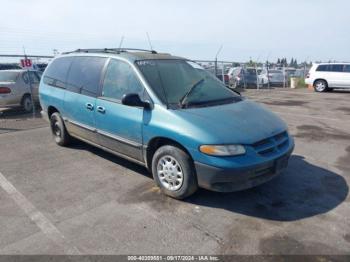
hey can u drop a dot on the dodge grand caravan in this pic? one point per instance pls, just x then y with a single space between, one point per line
166 113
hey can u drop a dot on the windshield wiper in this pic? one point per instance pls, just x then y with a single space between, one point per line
184 98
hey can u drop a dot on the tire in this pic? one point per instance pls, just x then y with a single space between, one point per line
320 86
27 103
59 130
168 164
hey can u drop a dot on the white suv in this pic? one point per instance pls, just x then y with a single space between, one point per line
326 76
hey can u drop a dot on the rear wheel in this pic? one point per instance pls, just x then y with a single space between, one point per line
59 130
27 103
320 86
173 171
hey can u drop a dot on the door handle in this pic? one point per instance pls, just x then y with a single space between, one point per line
101 109
89 106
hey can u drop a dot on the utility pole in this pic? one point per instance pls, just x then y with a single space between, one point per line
216 60
30 84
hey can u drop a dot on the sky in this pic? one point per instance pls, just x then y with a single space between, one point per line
308 30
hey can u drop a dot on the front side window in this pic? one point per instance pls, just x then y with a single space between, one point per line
120 79
347 68
178 81
85 75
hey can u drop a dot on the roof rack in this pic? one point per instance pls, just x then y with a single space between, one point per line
109 50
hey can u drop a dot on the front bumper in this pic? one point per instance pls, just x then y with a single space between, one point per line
229 180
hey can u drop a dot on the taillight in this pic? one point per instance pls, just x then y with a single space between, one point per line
226 78
4 90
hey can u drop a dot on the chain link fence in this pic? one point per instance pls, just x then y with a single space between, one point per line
254 75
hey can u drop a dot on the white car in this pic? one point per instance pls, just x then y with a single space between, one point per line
326 76
15 88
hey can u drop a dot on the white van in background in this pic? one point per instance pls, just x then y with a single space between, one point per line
326 76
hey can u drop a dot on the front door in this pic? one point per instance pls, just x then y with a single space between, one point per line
119 127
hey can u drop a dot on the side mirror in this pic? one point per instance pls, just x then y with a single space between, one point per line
135 100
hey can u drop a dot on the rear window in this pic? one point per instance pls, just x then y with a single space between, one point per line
275 72
56 73
250 71
6 76
85 75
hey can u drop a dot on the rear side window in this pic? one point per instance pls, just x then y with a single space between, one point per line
56 73
337 68
85 75
120 79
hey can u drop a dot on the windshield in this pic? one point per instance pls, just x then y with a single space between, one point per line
250 71
6 76
173 79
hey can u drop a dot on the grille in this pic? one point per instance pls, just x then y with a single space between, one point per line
272 144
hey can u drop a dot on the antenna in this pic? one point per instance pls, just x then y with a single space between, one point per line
121 42
149 41
217 53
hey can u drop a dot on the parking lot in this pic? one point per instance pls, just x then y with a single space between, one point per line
81 200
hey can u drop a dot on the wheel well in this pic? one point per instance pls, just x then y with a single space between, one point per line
156 143
320 79
51 110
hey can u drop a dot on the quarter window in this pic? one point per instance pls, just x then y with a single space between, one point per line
120 79
85 75
323 68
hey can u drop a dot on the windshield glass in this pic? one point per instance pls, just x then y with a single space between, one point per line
6 76
172 79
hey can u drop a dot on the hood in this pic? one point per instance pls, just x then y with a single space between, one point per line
244 122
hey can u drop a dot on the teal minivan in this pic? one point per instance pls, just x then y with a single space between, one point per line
166 113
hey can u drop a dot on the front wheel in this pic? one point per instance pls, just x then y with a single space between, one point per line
320 86
59 130
173 171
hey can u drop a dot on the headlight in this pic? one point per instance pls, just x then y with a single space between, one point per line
222 150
